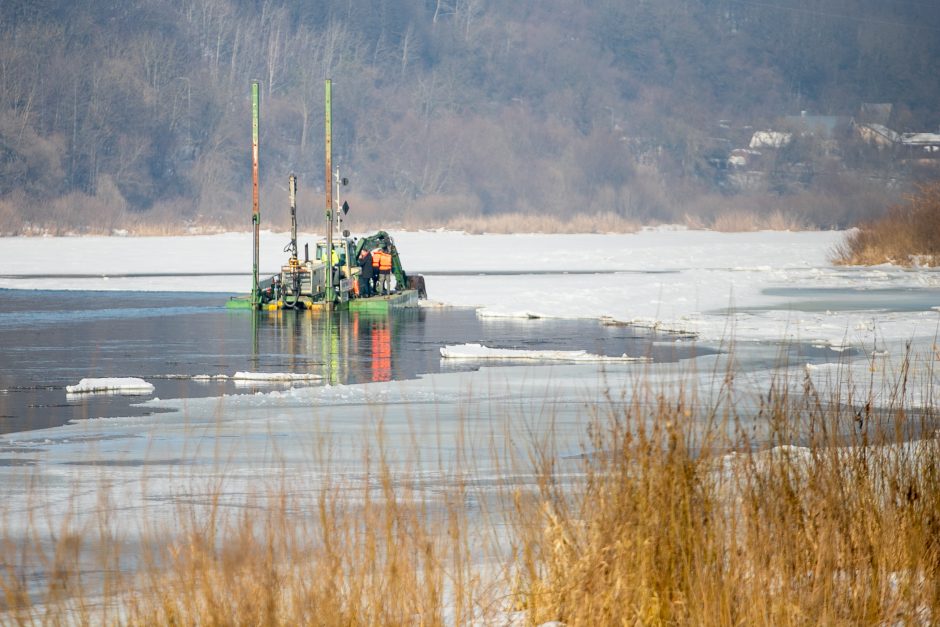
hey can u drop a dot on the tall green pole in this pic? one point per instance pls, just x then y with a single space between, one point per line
328 116
255 204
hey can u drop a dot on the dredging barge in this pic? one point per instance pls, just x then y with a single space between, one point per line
334 278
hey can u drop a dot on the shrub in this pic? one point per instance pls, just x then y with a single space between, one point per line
741 221
908 234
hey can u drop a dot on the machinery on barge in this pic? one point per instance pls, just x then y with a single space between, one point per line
332 279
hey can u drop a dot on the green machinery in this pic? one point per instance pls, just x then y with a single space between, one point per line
305 284
330 280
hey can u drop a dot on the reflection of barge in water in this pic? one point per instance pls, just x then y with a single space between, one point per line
332 280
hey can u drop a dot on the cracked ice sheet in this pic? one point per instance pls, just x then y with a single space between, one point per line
693 302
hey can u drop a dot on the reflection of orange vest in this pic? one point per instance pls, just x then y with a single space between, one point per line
385 262
381 353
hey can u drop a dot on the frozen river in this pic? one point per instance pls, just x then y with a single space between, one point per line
710 310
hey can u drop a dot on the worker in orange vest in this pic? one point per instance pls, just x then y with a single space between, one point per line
385 269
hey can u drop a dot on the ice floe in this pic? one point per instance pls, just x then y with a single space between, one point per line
479 351
118 385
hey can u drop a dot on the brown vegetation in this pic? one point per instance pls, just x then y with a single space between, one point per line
909 234
527 223
679 513
741 221
680 525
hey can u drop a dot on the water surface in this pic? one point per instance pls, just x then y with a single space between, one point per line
52 339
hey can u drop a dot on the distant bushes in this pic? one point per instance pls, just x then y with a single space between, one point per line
742 221
530 223
909 234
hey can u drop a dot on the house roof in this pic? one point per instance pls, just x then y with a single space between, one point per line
884 131
920 139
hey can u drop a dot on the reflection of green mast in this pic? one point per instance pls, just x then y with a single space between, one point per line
328 256
255 352
330 350
255 205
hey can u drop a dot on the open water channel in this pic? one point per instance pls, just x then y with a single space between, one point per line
52 339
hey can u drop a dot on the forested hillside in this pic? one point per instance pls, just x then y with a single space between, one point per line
117 113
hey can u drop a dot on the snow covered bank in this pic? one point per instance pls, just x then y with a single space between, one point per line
424 251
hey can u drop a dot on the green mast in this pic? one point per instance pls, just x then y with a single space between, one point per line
328 255
255 205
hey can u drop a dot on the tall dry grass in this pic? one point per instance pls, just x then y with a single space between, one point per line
908 234
529 223
809 509
371 552
679 523
740 221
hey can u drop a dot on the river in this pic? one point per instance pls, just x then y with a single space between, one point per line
52 339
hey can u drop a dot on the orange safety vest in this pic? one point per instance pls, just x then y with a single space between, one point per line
376 254
385 262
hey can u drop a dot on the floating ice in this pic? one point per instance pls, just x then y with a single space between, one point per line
118 385
478 351
492 313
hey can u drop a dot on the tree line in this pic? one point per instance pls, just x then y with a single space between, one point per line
112 111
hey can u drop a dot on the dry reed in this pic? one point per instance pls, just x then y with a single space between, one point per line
685 519
906 235
739 221
529 223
